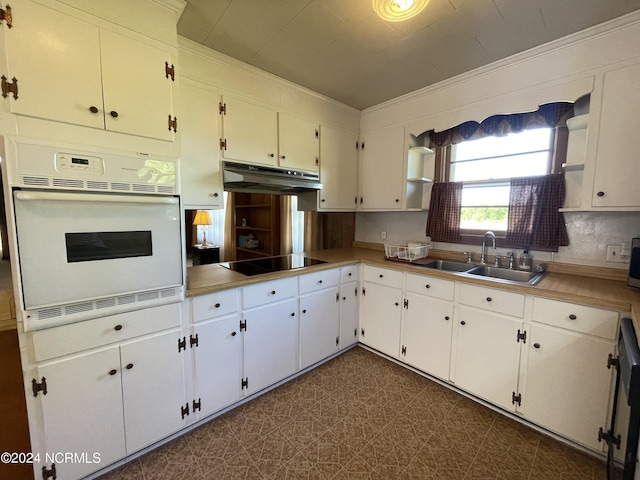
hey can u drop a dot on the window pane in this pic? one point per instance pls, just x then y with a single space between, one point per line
485 195
484 218
502 167
527 141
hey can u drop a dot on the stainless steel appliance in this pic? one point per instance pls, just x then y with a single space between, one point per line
101 234
241 177
634 264
271 264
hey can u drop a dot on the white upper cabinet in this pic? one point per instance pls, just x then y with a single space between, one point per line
381 172
72 71
200 164
338 169
617 166
256 134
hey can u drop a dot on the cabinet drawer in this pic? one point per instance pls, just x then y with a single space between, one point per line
214 305
579 318
58 341
383 276
494 300
312 282
349 274
433 287
268 292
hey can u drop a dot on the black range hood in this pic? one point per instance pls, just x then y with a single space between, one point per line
241 177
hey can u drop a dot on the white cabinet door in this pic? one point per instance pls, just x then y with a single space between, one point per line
82 410
617 166
137 92
568 383
153 388
338 169
427 326
381 172
381 313
349 318
250 132
270 344
218 364
487 356
319 325
298 143
199 162
56 60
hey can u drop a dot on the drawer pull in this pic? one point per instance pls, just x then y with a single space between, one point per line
381 275
117 328
397 304
349 273
273 292
427 286
572 317
536 345
217 305
447 318
463 322
489 299
304 311
129 366
319 281
112 372
293 314
233 334
93 109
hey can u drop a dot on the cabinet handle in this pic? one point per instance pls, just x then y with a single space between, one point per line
427 286
344 298
319 281
233 334
446 318
536 345
117 327
572 317
292 314
489 299
217 305
93 109
397 200
112 372
322 200
271 155
129 366
397 304
304 311
273 292
381 275
113 113
600 194
349 273
215 195
282 157
463 322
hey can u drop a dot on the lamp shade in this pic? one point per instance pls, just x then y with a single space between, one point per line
202 218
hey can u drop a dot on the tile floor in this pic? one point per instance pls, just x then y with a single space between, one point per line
360 416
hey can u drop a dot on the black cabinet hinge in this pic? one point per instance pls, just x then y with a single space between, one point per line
522 336
516 399
317 135
222 108
49 473
609 438
362 146
196 405
362 332
244 383
364 292
317 161
184 411
357 145
39 387
8 88
182 344
173 123
403 351
612 361
406 303
355 333
355 291
361 200
243 325
337 341
223 144
193 340
170 71
5 14
337 296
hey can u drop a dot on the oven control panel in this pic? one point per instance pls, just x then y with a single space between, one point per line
79 164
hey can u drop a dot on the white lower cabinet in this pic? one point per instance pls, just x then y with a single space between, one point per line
487 358
349 314
381 317
270 344
319 325
426 334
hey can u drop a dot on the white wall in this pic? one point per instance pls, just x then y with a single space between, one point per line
589 234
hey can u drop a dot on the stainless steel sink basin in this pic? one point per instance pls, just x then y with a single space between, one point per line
511 276
449 266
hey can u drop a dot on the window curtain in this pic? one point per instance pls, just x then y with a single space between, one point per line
534 217
548 115
443 221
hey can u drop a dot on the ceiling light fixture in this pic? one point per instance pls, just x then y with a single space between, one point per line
398 10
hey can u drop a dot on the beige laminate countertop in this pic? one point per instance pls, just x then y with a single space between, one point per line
592 291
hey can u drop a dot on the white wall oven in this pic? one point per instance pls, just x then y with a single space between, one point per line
97 234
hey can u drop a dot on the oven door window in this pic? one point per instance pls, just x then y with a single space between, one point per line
91 246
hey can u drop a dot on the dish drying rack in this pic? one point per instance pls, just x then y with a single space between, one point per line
408 252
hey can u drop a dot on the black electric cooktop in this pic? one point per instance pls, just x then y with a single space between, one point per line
270 264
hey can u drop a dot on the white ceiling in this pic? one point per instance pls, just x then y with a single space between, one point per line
342 49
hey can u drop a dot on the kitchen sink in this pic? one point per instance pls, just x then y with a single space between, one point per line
511 276
449 266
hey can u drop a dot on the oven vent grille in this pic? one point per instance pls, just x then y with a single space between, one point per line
143 297
67 183
78 307
121 187
97 185
138 187
168 292
165 189
38 181
49 313
29 180
126 299
106 303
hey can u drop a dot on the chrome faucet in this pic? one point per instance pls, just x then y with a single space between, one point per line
484 245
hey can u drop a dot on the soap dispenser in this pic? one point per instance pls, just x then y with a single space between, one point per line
525 260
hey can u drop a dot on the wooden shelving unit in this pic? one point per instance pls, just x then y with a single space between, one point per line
256 214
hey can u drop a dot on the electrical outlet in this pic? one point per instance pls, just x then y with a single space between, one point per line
613 253
383 234
625 252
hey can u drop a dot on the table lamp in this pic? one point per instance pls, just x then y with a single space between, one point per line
203 218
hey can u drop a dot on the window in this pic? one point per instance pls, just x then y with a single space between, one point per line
485 166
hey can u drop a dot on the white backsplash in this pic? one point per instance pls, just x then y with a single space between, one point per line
589 234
